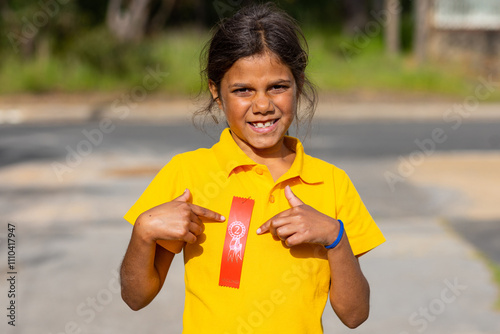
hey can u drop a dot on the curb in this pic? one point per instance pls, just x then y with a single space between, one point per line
41 112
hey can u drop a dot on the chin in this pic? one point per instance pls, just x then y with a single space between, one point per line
265 144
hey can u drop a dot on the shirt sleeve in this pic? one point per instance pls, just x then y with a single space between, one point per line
361 229
167 185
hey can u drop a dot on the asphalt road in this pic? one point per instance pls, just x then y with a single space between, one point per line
347 144
329 139
71 238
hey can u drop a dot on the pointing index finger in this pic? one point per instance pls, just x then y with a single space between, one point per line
206 213
264 228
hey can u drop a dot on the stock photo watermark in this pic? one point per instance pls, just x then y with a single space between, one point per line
291 280
32 25
363 36
212 189
453 119
120 108
88 309
11 274
420 319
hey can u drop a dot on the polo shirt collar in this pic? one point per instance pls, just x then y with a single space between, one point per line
302 165
230 156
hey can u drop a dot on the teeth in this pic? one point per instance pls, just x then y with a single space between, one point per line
263 125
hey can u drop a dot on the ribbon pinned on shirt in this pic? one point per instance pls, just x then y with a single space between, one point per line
235 242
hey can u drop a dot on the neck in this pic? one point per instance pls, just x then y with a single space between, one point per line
281 153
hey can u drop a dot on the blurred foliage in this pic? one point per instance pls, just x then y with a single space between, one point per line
65 45
29 24
100 50
341 63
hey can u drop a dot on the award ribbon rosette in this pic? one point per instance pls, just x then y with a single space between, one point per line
238 224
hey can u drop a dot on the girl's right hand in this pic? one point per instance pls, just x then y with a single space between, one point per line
175 220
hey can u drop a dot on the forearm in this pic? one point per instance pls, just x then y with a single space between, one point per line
146 264
349 290
140 279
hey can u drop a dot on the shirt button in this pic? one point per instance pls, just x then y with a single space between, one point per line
271 199
259 171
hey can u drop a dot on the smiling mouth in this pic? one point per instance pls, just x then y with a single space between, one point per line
262 125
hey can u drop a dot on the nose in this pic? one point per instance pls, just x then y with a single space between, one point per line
262 104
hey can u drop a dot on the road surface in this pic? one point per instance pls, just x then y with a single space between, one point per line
64 188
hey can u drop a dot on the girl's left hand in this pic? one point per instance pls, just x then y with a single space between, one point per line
301 224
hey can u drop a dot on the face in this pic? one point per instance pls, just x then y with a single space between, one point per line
258 95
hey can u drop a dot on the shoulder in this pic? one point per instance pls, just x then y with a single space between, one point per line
190 156
191 161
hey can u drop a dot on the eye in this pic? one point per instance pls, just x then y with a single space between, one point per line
242 91
279 88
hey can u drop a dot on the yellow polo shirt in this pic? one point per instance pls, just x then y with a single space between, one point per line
282 290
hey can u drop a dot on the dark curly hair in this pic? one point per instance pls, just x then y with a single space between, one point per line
253 30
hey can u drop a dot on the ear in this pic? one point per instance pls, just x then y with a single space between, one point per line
215 93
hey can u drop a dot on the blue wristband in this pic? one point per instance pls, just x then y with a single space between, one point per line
339 237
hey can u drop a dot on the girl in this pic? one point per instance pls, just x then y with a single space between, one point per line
268 232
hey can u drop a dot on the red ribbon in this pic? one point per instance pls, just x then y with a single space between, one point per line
238 225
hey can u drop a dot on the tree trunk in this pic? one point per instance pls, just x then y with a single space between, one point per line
127 20
421 10
378 5
22 36
4 6
160 17
201 13
392 29
356 16
5 12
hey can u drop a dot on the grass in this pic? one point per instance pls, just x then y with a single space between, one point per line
337 64
95 67
495 270
179 52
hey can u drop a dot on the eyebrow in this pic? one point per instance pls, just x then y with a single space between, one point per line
273 83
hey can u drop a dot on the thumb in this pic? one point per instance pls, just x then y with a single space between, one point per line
292 199
184 197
